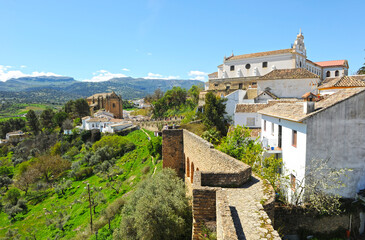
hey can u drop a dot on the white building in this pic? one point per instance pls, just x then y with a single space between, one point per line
333 128
105 125
246 114
259 64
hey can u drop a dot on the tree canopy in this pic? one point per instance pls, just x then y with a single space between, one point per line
213 114
158 209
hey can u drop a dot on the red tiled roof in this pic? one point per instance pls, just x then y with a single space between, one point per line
260 54
332 63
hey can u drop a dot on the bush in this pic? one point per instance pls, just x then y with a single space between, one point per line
158 209
83 173
118 144
146 169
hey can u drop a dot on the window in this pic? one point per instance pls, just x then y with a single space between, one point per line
300 64
254 83
264 65
292 182
215 84
248 66
92 125
250 121
228 87
240 86
294 138
113 105
337 73
272 128
232 68
265 125
328 74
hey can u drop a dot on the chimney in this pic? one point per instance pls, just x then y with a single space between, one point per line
308 107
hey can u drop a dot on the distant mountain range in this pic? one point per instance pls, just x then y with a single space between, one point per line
128 87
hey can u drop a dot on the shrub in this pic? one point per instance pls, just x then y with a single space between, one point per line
158 209
146 169
84 173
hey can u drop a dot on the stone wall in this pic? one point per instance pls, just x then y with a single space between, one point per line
173 151
295 221
225 225
205 171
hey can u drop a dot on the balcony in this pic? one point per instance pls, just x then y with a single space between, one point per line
271 145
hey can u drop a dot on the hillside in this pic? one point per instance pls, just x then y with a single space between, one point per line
66 87
71 207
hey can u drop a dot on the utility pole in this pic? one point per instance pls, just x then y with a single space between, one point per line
91 214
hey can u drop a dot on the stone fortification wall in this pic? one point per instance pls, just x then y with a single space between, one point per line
218 169
225 224
173 151
207 173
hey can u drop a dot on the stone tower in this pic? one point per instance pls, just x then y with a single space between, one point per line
110 102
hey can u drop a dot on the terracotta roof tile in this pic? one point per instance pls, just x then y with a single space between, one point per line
295 73
213 75
255 107
332 63
345 81
260 54
294 111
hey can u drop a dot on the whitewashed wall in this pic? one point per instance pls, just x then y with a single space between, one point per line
288 88
294 158
241 119
282 61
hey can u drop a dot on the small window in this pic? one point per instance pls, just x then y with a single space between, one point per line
228 87
250 121
337 73
113 105
240 85
264 65
215 84
254 83
328 74
248 66
300 64
292 182
265 125
92 125
272 128
232 68
294 138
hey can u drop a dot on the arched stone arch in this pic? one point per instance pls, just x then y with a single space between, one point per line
328 74
192 172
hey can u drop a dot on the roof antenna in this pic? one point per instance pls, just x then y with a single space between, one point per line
232 53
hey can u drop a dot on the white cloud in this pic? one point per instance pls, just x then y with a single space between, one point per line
23 66
104 75
126 69
197 75
159 76
5 74
149 54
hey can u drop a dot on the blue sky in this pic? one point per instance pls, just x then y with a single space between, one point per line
97 40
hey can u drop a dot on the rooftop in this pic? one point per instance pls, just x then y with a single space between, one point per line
255 107
260 54
294 111
294 73
345 81
333 63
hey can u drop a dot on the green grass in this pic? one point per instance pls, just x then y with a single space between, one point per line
132 162
22 108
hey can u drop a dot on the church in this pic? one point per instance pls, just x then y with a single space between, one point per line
285 72
110 102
